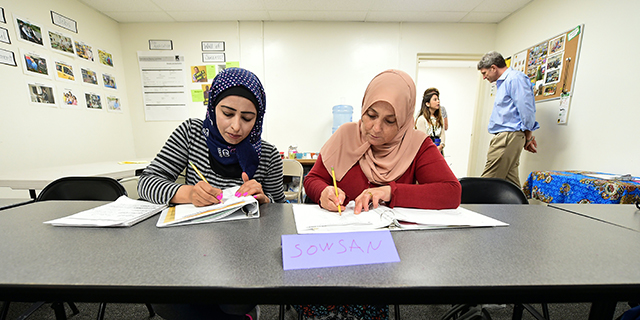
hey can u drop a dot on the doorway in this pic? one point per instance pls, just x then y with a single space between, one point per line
458 81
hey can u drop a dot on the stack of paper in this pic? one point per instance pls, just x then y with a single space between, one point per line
123 212
313 219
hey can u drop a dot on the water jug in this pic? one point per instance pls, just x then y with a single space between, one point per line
341 114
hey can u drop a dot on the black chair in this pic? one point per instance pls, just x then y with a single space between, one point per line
492 191
82 188
79 188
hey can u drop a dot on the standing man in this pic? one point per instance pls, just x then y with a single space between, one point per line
512 121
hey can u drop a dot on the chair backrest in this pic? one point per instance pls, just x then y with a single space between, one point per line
293 168
491 191
82 188
130 184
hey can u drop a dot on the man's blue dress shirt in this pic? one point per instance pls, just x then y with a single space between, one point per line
514 108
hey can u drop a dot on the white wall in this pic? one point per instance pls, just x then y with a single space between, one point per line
602 129
33 136
36 136
306 67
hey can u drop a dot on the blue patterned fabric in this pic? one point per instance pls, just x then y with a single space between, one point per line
576 187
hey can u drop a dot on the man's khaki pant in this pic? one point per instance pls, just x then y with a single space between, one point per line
503 157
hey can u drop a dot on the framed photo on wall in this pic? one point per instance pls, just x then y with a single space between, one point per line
160 45
64 22
212 45
4 35
8 58
28 31
42 94
61 42
2 18
213 57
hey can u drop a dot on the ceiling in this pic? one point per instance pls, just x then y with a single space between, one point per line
464 11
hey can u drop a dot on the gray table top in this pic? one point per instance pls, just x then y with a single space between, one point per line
9 203
545 254
623 215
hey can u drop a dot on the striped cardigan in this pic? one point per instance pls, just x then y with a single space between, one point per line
187 143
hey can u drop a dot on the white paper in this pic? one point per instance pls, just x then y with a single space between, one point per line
313 219
565 101
120 213
164 89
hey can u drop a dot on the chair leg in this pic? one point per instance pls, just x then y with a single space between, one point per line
281 314
152 313
396 310
5 310
518 310
533 312
101 310
73 307
545 311
58 308
31 310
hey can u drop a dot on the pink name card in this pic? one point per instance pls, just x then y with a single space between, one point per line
305 251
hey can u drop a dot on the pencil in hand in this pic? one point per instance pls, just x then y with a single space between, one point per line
219 197
335 187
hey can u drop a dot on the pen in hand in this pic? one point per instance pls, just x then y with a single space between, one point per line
219 197
335 187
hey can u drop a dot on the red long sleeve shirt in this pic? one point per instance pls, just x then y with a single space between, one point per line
428 183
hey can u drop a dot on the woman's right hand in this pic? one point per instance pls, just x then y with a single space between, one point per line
329 201
202 194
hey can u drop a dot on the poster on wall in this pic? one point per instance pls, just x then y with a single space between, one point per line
64 71
93 101
109 81
28 31
34 64
83 50
519 60
42 94
113 104
164 91
105 58
199 74
70 98
89 76
61 43
205 92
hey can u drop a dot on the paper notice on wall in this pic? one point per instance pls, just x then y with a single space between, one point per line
565 100
164 90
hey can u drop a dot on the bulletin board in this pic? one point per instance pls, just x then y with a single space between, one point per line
551 64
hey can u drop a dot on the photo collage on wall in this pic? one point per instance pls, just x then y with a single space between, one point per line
544 66
213 62
203 75
60 69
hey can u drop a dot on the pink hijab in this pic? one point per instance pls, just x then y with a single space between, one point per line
386 163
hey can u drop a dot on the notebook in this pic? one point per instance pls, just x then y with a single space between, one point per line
231 208
313 219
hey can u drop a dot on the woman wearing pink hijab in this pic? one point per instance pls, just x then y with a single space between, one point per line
382 158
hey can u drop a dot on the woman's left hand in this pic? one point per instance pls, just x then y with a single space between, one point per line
372 196
252 188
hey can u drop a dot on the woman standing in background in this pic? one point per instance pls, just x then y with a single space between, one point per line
430 120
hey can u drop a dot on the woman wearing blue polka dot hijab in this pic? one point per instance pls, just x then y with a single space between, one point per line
226 147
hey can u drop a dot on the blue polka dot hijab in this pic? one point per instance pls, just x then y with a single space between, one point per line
240 82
